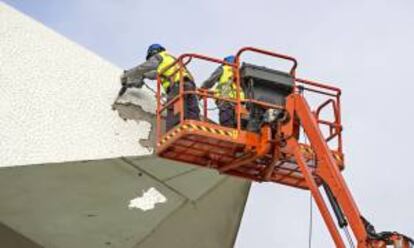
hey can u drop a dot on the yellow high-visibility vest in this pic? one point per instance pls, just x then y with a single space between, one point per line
227 86
172 74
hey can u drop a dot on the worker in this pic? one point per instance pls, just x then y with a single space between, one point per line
225 86
158 60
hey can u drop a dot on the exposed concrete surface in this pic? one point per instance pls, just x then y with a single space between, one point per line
56 97
130 110
85 204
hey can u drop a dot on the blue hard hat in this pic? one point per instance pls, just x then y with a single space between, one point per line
154 49
230 59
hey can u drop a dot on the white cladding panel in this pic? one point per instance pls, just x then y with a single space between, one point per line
55 99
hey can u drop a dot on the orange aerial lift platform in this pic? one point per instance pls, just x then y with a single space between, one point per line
279 138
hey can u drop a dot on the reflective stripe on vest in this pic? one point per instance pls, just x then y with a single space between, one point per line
226 86
172 73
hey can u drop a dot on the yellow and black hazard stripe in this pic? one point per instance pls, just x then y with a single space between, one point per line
173 133
308 150
337 157
212 130
179 129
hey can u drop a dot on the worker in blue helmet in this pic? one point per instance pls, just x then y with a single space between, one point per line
223 81
158 60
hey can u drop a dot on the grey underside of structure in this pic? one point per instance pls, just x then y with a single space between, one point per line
85 204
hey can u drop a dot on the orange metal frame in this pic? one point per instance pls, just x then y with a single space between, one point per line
271 155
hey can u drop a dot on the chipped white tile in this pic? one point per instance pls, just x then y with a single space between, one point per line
148 200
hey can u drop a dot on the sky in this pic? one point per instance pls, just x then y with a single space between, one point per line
364 47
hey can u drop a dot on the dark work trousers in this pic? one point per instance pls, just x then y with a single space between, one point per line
227 114
255 118
191 109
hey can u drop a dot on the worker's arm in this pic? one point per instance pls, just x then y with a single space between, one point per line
148 69
214 77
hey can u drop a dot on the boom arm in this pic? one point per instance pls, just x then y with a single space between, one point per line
328 172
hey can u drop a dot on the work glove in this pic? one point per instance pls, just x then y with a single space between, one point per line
125 86
136 83
128 83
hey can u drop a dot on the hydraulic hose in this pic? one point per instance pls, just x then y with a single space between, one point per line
340 217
